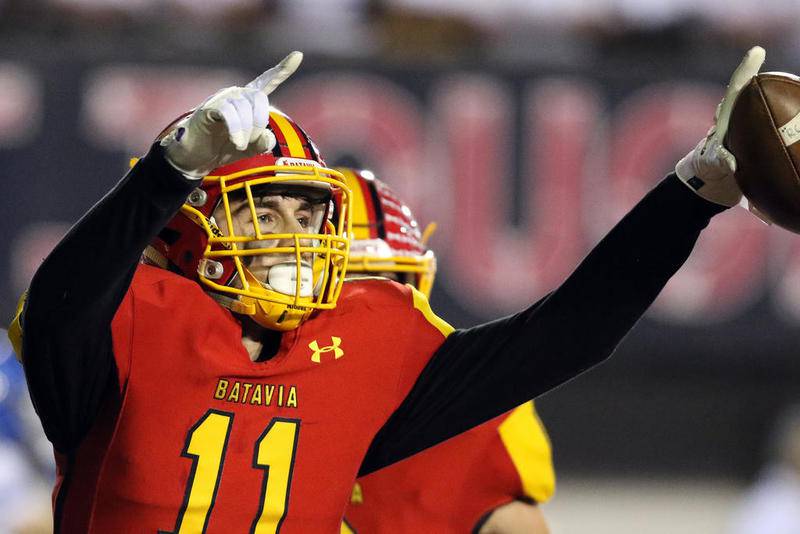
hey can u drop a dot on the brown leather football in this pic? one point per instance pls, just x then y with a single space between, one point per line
764 135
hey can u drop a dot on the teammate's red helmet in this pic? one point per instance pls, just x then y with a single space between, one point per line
386 236
216 253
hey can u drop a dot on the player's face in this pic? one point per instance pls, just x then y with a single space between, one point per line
276 212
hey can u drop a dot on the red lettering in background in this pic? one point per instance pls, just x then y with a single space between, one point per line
20 105
126 107
456 165
492 262
654 128
456 162
785 270
372 119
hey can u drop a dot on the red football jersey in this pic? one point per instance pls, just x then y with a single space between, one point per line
205 440
450 487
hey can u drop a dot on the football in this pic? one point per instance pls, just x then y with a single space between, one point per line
764 136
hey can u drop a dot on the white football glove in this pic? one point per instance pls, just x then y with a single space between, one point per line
229 125
708 169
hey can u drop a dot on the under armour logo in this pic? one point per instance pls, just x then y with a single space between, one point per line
334 346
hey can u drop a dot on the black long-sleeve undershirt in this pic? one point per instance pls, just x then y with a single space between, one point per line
573 328
67 342
72 299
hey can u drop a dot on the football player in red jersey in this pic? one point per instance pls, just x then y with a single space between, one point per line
488 479
200 397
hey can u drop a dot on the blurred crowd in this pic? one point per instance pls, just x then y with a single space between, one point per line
512 30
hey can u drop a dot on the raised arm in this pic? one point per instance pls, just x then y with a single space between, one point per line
481 372
66 322
66 340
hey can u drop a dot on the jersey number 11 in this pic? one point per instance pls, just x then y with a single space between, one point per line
205 446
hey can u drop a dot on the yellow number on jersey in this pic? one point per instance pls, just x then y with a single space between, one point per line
206 444
206 447
275 454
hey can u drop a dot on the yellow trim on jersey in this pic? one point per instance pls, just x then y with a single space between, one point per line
290 134
421 303
359 214
346 529
528 446
357 496
15 328
359 278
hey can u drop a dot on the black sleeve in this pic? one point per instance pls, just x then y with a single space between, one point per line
66 344
481 372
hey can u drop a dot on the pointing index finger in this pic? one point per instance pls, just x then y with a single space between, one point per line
272 78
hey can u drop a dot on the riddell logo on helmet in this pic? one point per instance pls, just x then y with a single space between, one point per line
297 162
214 228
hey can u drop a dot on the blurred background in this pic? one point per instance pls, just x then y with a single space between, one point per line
525 129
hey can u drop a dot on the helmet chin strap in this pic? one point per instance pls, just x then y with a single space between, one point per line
233 304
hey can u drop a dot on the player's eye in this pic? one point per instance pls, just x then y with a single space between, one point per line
304 222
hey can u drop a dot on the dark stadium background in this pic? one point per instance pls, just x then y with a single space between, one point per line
559 122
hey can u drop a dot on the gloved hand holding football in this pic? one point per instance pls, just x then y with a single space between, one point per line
229 125
709 168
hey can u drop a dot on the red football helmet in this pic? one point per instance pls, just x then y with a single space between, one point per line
216 253
386 236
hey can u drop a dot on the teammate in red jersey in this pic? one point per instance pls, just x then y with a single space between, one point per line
225 391
488 479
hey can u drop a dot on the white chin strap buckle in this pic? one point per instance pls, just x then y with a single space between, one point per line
282 278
